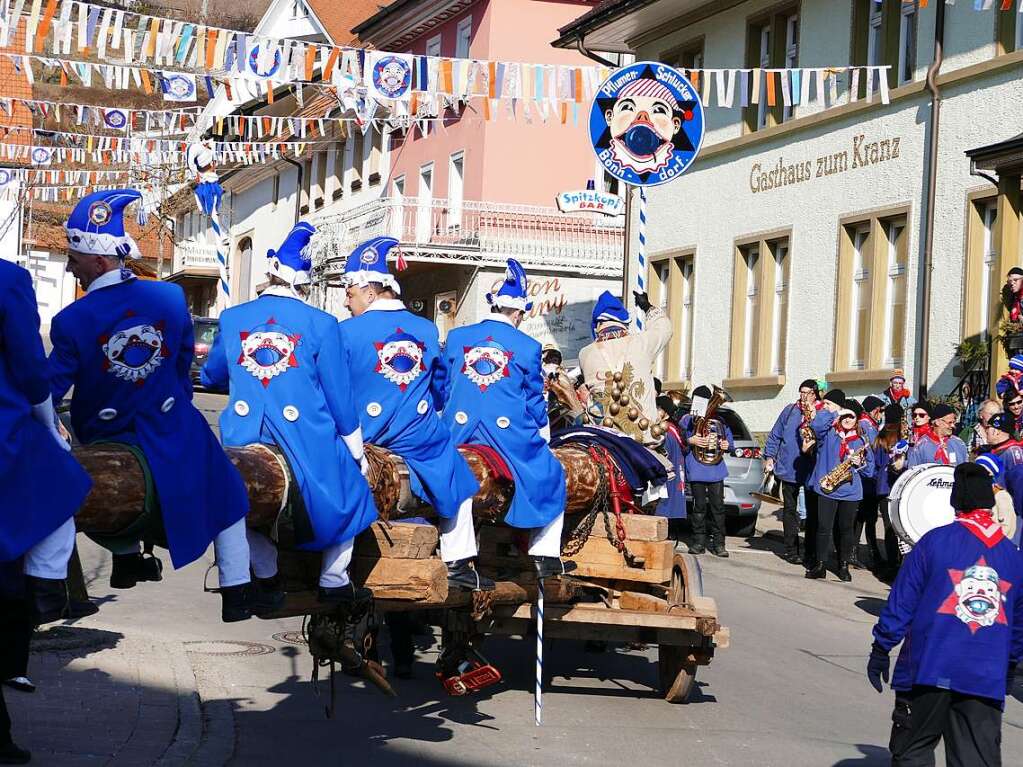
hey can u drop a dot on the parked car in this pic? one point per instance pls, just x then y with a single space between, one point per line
205 331
745 472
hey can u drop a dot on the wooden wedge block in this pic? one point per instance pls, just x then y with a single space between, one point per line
638 527
416 580
402 540
648 603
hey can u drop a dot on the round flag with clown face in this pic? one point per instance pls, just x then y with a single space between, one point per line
115 119
254 63
646 124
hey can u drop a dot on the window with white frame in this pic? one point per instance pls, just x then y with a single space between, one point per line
433 46
398 187
875 37
751 257
980 286
670 282
399 212
895 294
791 53
686 318
990 259
424 212
907 42
456 186
780 306
463 36
859 326
660 291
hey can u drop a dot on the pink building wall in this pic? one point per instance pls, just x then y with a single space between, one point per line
505 160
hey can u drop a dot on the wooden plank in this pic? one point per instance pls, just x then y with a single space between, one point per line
604 616
647 603
402 540
701 646
638 527
417 580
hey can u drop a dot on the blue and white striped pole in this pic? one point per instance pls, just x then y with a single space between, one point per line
538 695
641 271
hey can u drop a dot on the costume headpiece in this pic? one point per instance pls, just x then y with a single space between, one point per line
512 293
96 225
608 309
292 262
368 264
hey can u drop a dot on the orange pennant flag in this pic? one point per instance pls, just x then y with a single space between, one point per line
579 85
331 61
564 112
63 77
486 108
310 59
154 30
269 92
492 80
147 86
446 83
211 46
771 99
44 26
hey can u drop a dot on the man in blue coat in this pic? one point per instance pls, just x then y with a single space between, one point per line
783 454
290 389
126 346
957 608
495 397
398 379
707 481
43 486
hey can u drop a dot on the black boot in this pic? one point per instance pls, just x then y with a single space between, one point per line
234 605
49 599
265 596
843 572
348 594
11 754
550 567
817 571
461 574
697 546
793 557
129 569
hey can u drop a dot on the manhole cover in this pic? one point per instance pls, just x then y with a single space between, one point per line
290 637
228 647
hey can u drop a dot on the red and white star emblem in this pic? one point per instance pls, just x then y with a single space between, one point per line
268 350
978 596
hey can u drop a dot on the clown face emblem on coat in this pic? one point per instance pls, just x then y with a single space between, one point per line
134 349
268 350
978 597
486 364
400 358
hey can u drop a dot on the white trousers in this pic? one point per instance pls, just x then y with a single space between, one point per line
48 558
458 534
232 551
333 571
546 541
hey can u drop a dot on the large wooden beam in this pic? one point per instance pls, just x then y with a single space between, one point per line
119 487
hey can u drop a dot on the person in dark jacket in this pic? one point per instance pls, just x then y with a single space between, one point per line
783 454
866 516
889 456
706 481
838 444
957 609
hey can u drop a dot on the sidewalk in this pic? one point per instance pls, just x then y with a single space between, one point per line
103 698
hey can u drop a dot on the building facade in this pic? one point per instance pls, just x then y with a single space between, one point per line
794 246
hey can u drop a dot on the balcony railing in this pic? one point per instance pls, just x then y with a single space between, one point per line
194 255
473 233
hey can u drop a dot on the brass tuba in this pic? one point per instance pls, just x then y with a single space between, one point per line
708 426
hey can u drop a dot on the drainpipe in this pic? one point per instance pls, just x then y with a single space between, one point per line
932 184
298 185
581 47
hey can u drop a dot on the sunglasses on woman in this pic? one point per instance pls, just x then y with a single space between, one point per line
920 415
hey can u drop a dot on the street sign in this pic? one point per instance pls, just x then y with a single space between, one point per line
589 201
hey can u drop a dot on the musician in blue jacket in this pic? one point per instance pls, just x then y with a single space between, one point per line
957 608
43 486
398 379
936 442
838 442
706 481
495 397
126 346
783 454
290 388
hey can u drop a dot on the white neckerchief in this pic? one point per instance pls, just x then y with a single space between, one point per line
284 291
385 305
105 280
499 317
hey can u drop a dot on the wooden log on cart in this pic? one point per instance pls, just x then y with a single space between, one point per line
119 487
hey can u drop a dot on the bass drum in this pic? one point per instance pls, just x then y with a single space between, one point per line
920 501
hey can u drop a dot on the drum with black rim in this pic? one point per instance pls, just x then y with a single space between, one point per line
920 501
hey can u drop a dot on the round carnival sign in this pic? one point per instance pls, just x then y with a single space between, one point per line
646 124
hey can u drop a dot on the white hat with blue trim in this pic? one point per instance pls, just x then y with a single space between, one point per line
96 225
292 262
512 293
368 264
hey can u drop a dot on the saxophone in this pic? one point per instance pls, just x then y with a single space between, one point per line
842 473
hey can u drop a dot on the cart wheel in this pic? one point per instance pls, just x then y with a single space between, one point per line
677 674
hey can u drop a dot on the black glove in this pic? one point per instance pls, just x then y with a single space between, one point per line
642 301
877 666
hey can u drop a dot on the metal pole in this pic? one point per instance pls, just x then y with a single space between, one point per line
538 694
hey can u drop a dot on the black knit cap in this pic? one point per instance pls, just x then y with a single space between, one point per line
870 402
925 406
893 414
971 488
941 410
1016 270
1003 422
667 404
854 406
835 395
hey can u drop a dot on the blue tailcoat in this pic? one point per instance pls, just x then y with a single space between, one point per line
957 608
127 349
828 451
290 388
785 446
398 383
42 485
495 397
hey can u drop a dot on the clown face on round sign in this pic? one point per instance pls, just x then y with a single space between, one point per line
134 349
646 124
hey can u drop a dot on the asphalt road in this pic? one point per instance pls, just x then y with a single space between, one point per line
789 691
